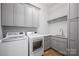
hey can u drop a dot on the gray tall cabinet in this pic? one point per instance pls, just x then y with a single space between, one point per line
0 23
73 29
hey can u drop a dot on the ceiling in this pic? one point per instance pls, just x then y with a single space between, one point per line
48 4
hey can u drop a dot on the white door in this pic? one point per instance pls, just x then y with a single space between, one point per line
7 14
35 17
28 16
18 14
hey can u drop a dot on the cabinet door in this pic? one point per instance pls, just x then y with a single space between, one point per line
78 11
53 43
73 10
35 17
7 14
46 42
18 15
78 38
73 37
28 16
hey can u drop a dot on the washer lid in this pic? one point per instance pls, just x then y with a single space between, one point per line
11 34
17 38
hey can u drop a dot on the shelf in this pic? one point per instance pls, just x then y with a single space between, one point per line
63 18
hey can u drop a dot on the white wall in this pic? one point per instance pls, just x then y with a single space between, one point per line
54 12
17 29
54 28
51 12
43 28
58 10
0 23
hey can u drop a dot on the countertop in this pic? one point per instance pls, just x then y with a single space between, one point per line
58 36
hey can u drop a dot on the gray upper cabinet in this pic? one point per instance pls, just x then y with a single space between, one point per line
28 16
7 14
35 17
73 10
18 15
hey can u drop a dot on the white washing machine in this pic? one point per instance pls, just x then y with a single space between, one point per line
14 44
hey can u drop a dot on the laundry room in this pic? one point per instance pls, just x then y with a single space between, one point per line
39 29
